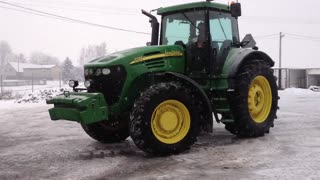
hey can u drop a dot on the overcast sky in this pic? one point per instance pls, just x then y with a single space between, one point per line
27 33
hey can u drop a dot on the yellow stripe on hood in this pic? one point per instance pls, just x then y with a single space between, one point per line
156 56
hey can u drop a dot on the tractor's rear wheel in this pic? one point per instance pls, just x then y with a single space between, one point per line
255 103
107 132
164 119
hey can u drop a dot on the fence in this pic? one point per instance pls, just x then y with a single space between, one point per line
8 87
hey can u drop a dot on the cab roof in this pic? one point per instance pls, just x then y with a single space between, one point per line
195 5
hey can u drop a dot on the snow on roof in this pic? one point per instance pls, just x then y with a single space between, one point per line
21 66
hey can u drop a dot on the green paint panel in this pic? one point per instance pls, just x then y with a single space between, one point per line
137 70
231 59
91 107
192 6
81 107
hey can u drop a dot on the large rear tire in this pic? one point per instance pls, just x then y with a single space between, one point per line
164 119
255 103
107 132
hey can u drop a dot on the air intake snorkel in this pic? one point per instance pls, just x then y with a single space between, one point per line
155 27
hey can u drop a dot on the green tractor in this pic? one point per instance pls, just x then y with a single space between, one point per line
164 94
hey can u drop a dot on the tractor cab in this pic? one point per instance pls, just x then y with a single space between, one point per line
207 35
206 30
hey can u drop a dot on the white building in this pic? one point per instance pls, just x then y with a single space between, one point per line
15 70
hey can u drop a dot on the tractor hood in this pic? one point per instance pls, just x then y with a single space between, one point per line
137 55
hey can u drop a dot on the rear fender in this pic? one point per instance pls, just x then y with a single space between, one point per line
245 56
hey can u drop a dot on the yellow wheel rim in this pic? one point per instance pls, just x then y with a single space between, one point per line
170 121
259 99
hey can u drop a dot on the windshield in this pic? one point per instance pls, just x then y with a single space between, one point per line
181 27
222 27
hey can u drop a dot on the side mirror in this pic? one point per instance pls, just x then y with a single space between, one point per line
248 42
235 9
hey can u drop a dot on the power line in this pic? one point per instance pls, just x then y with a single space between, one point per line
265 36
115 11
280 20
299 38
303 36
83 5
19 10
73 20
289 35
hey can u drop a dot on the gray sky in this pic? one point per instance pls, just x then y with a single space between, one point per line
27 33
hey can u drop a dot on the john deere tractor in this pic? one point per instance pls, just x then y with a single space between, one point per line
195 70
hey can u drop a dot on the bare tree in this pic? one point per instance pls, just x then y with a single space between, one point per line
92 52
5 54
43 59
18 58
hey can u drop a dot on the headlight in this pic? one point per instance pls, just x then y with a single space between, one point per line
90 71
73 83
106 71
87 83
98 72
86 72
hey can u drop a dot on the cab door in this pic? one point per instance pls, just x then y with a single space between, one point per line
223 34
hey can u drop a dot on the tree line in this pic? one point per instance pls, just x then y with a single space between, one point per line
69 71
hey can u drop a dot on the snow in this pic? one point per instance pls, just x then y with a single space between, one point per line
298 92
37 98
12 104
24 97
34 147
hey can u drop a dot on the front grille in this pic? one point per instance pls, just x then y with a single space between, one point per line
110 85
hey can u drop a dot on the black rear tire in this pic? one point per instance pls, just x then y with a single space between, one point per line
246 123
107 132
146 133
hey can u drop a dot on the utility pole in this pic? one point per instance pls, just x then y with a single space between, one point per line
32 81
60 76
18 66
280 63
1 83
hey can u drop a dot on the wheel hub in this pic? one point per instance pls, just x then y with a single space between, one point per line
259 99
170 121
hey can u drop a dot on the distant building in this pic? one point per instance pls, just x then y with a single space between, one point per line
15 70
298 78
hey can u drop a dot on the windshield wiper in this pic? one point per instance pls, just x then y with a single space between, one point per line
189 20
224 33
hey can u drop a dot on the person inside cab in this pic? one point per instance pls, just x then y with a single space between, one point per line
200 39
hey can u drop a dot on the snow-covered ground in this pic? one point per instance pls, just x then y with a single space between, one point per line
26 96
34 147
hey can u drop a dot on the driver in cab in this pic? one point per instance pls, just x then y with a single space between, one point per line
200 40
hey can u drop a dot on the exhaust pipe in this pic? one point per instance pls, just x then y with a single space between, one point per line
155 28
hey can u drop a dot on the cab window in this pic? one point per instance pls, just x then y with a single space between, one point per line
222 27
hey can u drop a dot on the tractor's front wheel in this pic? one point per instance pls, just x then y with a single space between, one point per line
107 132
164 119
255 102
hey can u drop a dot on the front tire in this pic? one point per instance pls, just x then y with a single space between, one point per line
107 132
164 119
255 103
